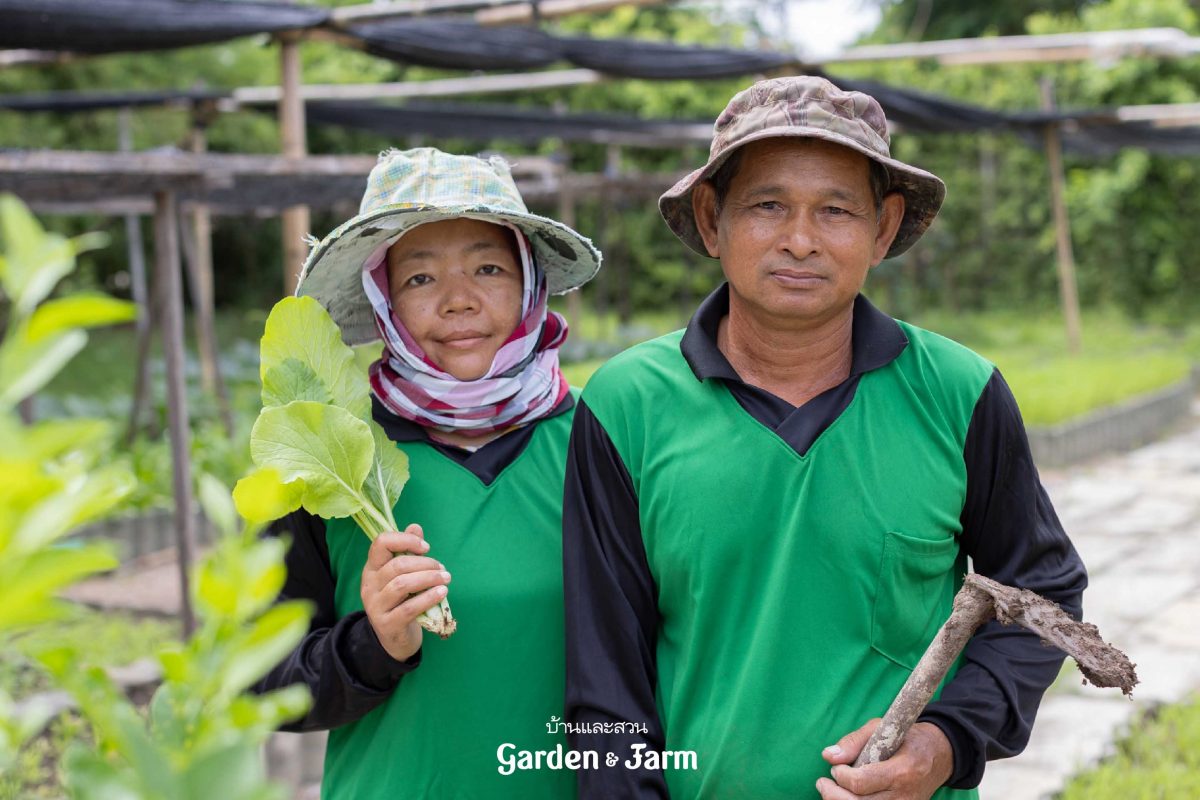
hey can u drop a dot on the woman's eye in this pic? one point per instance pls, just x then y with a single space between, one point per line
418 280
491 269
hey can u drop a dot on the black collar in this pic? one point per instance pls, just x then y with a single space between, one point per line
875 339
488 461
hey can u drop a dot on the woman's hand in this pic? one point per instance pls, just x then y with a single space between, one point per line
396 589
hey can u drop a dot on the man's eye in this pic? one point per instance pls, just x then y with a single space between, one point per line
835 210
769 205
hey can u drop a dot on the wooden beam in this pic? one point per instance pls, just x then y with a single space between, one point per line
446 87
372 12
486 12
546 9
1068 289
166 268
16 58
296 221
1165 115
1163 42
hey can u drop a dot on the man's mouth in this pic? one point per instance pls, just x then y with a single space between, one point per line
796 277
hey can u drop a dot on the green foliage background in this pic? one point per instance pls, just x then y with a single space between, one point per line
1133 214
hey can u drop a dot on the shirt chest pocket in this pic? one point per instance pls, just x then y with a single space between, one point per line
914 591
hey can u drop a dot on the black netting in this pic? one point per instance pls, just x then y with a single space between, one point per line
111 26
454 44
94 101
482 122
666 61
459 44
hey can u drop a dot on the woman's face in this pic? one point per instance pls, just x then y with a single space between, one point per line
456 285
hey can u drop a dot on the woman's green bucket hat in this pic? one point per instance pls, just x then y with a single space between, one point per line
408 188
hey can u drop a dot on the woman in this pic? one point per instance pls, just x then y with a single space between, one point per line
445 264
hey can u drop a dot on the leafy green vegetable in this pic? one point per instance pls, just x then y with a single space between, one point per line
314 441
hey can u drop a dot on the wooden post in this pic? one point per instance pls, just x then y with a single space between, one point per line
166 273
296 222
197 238
199 245
202 308
566 215
139 290
1067 288
987 211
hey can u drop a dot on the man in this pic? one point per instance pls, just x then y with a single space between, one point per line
767 515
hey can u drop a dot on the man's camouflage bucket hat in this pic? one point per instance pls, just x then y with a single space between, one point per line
811 107
408 188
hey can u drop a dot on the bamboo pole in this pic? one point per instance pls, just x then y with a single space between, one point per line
566 215
202 308
296 222
166 268
1067 286
139 290
197 251
486 12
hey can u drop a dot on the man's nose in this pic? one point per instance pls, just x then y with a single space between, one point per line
797 236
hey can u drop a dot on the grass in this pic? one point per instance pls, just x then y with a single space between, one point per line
1158 760
112 638
1120 360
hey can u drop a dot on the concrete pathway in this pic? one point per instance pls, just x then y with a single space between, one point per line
1135 519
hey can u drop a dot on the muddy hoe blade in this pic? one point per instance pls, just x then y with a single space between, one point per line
980 600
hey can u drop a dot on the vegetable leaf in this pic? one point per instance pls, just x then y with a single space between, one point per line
324 446
300 329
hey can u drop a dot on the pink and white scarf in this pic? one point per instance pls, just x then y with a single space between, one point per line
523 383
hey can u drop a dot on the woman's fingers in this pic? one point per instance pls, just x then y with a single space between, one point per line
401 565
418 604
387 545
397 591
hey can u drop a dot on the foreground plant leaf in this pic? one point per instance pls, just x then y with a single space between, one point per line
314 442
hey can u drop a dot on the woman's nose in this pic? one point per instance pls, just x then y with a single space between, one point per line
459 296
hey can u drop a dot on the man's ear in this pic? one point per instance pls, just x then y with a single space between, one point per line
891 214
704 207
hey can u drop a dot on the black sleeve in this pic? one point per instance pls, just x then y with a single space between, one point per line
340 660
1012 535
611 615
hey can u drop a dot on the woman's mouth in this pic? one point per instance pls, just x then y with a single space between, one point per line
463 340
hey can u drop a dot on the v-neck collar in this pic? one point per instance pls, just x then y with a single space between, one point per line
876 340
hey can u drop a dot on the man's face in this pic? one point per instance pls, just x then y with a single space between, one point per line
457 285
798 229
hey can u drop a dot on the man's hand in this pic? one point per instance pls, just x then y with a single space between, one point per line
922 764
398 589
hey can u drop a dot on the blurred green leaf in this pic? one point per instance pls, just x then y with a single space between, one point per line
26 366
78 311
262 496
264 645
217 503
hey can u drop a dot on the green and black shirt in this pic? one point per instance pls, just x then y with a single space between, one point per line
754 580
493 517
